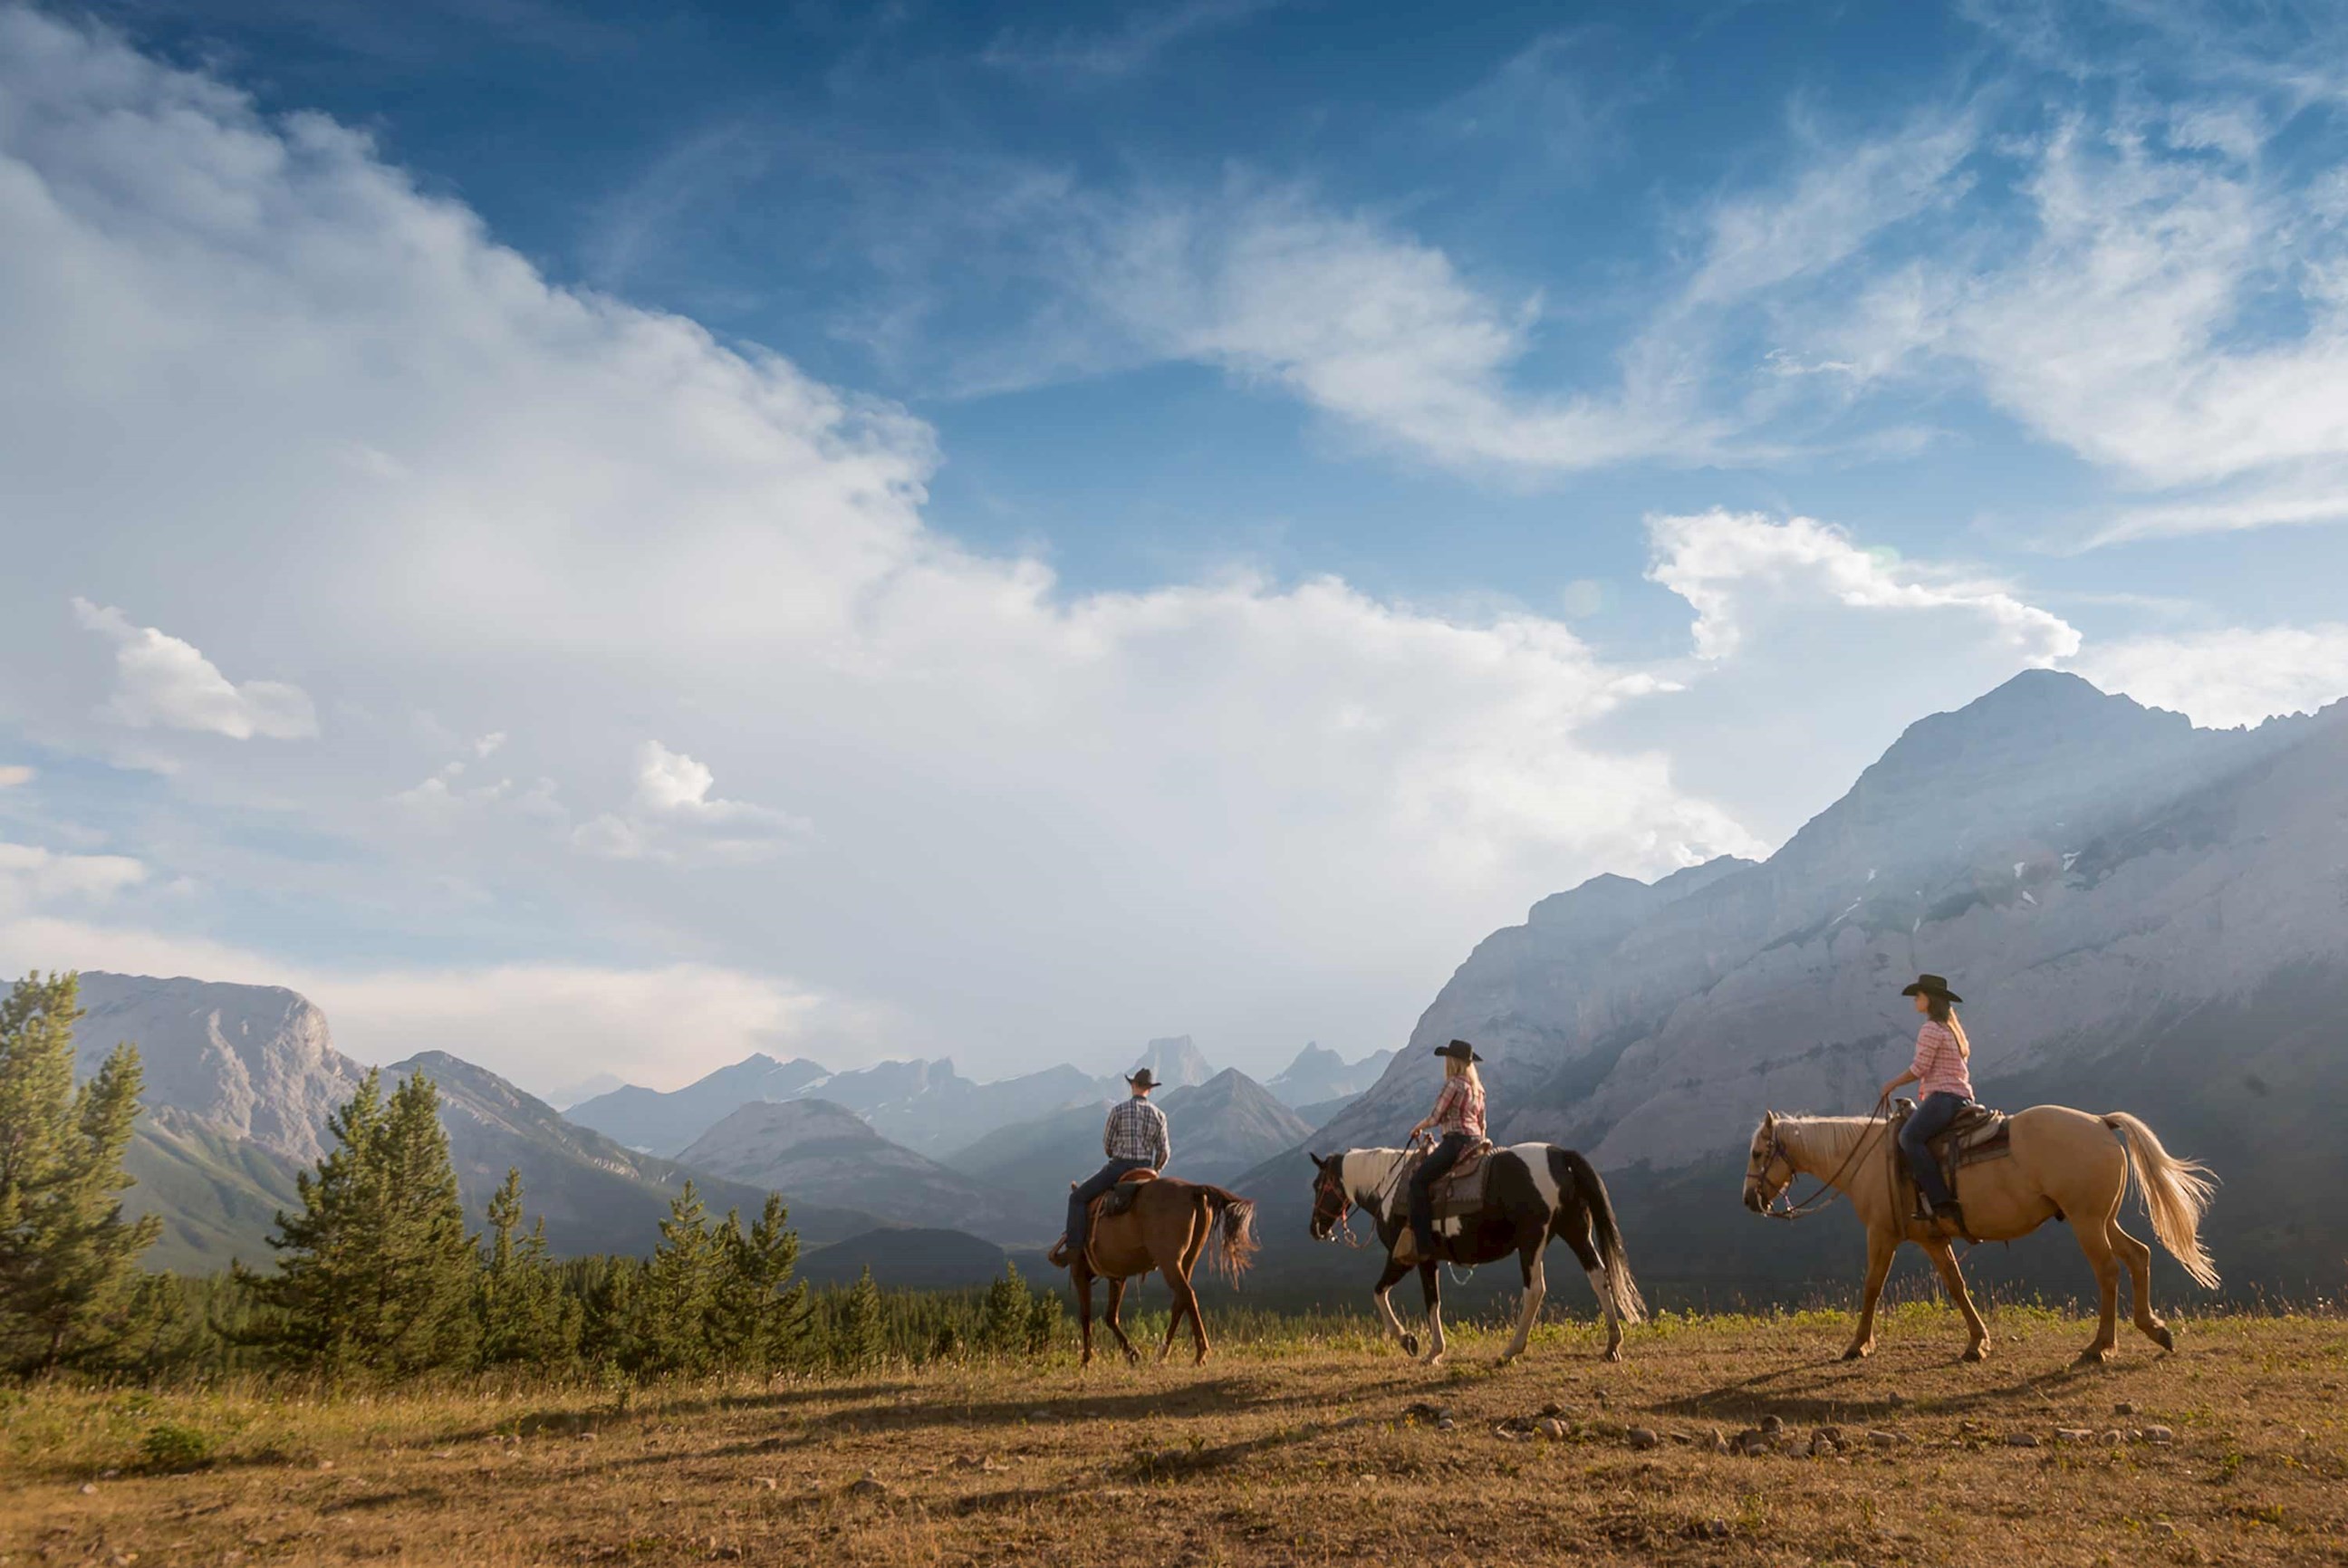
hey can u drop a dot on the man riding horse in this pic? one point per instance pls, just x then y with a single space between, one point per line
1134 1138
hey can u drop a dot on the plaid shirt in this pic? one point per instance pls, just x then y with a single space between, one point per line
1460 1108
1939 1066
1136 1131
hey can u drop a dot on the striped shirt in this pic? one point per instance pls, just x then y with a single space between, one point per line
1460 1107
1136 1131
1939 1066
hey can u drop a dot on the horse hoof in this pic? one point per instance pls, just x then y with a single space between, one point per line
1410 1345
1613 1353
1856 1353
1975 1353
2166 1340
2092 1357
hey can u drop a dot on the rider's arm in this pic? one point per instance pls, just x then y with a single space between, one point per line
1907 1077
1164 1140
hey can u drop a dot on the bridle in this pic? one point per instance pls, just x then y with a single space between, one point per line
1758 1170
1332 1206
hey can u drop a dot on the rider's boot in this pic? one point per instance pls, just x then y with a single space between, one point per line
1405 1247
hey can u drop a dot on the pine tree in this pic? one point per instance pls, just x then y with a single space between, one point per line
607 1295
679 1290
68 1257
1003 1322
524 1315
859 1339
1043 1322
761 1321
375 1274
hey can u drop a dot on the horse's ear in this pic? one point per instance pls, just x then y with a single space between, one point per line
1318 1163
1768 1118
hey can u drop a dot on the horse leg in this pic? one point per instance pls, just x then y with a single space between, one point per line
2096 1242
2138 1259
1576 1236
1186 1301
1536 1289
1116 1324
1084 1279
1428 1282
1944 1258
1882 1245
1382 1294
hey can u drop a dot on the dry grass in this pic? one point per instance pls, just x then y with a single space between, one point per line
1277 1452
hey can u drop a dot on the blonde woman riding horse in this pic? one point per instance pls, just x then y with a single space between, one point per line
2064 1164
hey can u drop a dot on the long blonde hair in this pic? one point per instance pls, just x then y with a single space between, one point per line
1459 1066
1943 1012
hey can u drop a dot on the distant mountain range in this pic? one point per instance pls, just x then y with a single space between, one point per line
819 1152
1320 1077
240 1080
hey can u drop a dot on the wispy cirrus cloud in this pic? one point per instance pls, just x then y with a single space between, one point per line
1145 33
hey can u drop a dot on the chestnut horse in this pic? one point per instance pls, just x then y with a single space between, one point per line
2065 1164
1170 1225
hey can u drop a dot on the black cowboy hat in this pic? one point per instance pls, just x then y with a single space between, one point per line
1460 1048
1140 1079
1930 985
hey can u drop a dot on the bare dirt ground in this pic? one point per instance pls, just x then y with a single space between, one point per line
1330 1449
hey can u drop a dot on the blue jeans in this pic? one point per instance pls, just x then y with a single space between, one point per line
1080 1201
1932 1113
1431 1170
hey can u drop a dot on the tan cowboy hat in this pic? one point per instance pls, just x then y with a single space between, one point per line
1930 985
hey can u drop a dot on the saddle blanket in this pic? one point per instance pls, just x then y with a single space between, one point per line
1119 1198
1459 1195
1977 1134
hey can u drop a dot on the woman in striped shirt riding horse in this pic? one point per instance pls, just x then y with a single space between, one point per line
1945 1087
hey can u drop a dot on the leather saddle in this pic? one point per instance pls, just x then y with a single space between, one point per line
1978 1133
1460 1193
1119 1198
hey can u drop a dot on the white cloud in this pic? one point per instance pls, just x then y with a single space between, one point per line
160 680
1724 564
2238 675
1147 31
2175 312
12 774
1265 811
32 877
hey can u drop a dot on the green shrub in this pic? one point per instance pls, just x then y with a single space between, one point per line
170 1447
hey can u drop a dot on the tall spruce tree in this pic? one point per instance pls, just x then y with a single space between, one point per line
69 1258
860 1338
762 1322
375 1274
525 1318
1004 1319
679 1290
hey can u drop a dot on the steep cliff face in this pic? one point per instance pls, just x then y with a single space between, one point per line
256 1062
2088 871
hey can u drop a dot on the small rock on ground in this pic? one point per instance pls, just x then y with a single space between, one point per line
1643 1437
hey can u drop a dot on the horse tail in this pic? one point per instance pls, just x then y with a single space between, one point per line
1620 1288
1233 1245
2176 1194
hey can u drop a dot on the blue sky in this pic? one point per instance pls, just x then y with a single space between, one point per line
1005 532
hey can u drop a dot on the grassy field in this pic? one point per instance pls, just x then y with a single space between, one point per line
1290 1447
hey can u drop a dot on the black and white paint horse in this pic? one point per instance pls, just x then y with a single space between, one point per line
1537 1192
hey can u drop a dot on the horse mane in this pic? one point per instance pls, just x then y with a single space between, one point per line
1826 1138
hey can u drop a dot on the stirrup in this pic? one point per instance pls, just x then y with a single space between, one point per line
1060 1257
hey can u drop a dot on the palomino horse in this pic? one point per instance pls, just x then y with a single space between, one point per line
1170 1224
1536 1192
2063 1164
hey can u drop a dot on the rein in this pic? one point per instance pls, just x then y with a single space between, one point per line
1828 1192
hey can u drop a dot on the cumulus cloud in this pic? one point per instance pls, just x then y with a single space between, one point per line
1255 810
1723 563
164 681
2236 675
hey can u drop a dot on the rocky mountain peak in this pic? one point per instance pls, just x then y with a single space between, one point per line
1175 1061
254 1061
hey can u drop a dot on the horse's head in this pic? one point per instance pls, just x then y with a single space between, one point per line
1768 1171
1331 1202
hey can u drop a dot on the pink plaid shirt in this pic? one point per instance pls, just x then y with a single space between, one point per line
1939 1066
1460 1108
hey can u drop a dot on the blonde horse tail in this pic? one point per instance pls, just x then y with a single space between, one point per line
1233 1247
2176 1194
